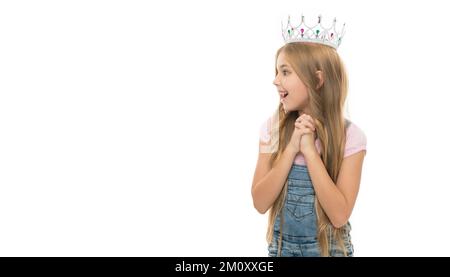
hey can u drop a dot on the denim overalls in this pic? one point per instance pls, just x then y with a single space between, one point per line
300 223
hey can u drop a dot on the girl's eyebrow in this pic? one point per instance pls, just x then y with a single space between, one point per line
283 65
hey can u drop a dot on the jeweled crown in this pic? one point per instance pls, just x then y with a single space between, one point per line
317 33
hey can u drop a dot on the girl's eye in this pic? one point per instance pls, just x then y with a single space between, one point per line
284 71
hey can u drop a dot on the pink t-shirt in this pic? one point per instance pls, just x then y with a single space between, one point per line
355 141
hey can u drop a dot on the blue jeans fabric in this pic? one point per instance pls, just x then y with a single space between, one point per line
300 223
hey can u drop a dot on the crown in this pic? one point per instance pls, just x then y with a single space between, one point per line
317 33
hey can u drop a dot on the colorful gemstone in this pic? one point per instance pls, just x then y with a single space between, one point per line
302 30
331 34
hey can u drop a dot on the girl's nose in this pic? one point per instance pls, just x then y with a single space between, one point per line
275 81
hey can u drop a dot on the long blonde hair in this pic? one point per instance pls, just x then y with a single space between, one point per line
326 106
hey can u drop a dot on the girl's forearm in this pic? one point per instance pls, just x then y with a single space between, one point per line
330 197
266 191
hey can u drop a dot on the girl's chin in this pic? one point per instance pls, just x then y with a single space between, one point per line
288 108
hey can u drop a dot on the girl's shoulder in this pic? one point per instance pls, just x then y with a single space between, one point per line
356 139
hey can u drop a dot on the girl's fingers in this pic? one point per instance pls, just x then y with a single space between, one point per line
305 130
306 124
303 126
307 118
310 121
310 125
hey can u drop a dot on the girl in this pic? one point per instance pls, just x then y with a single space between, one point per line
309 166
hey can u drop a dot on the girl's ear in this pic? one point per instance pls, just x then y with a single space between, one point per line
319 75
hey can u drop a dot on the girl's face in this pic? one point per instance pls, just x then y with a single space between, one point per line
292 91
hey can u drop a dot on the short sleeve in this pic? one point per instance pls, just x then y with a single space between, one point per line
268 135
264 134
356 140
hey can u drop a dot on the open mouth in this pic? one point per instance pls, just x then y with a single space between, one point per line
283 94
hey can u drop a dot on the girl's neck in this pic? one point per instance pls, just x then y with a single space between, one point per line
306 111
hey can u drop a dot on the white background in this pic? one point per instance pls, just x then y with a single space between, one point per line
130 128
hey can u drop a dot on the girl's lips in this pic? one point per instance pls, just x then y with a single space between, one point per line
283 94
283 98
